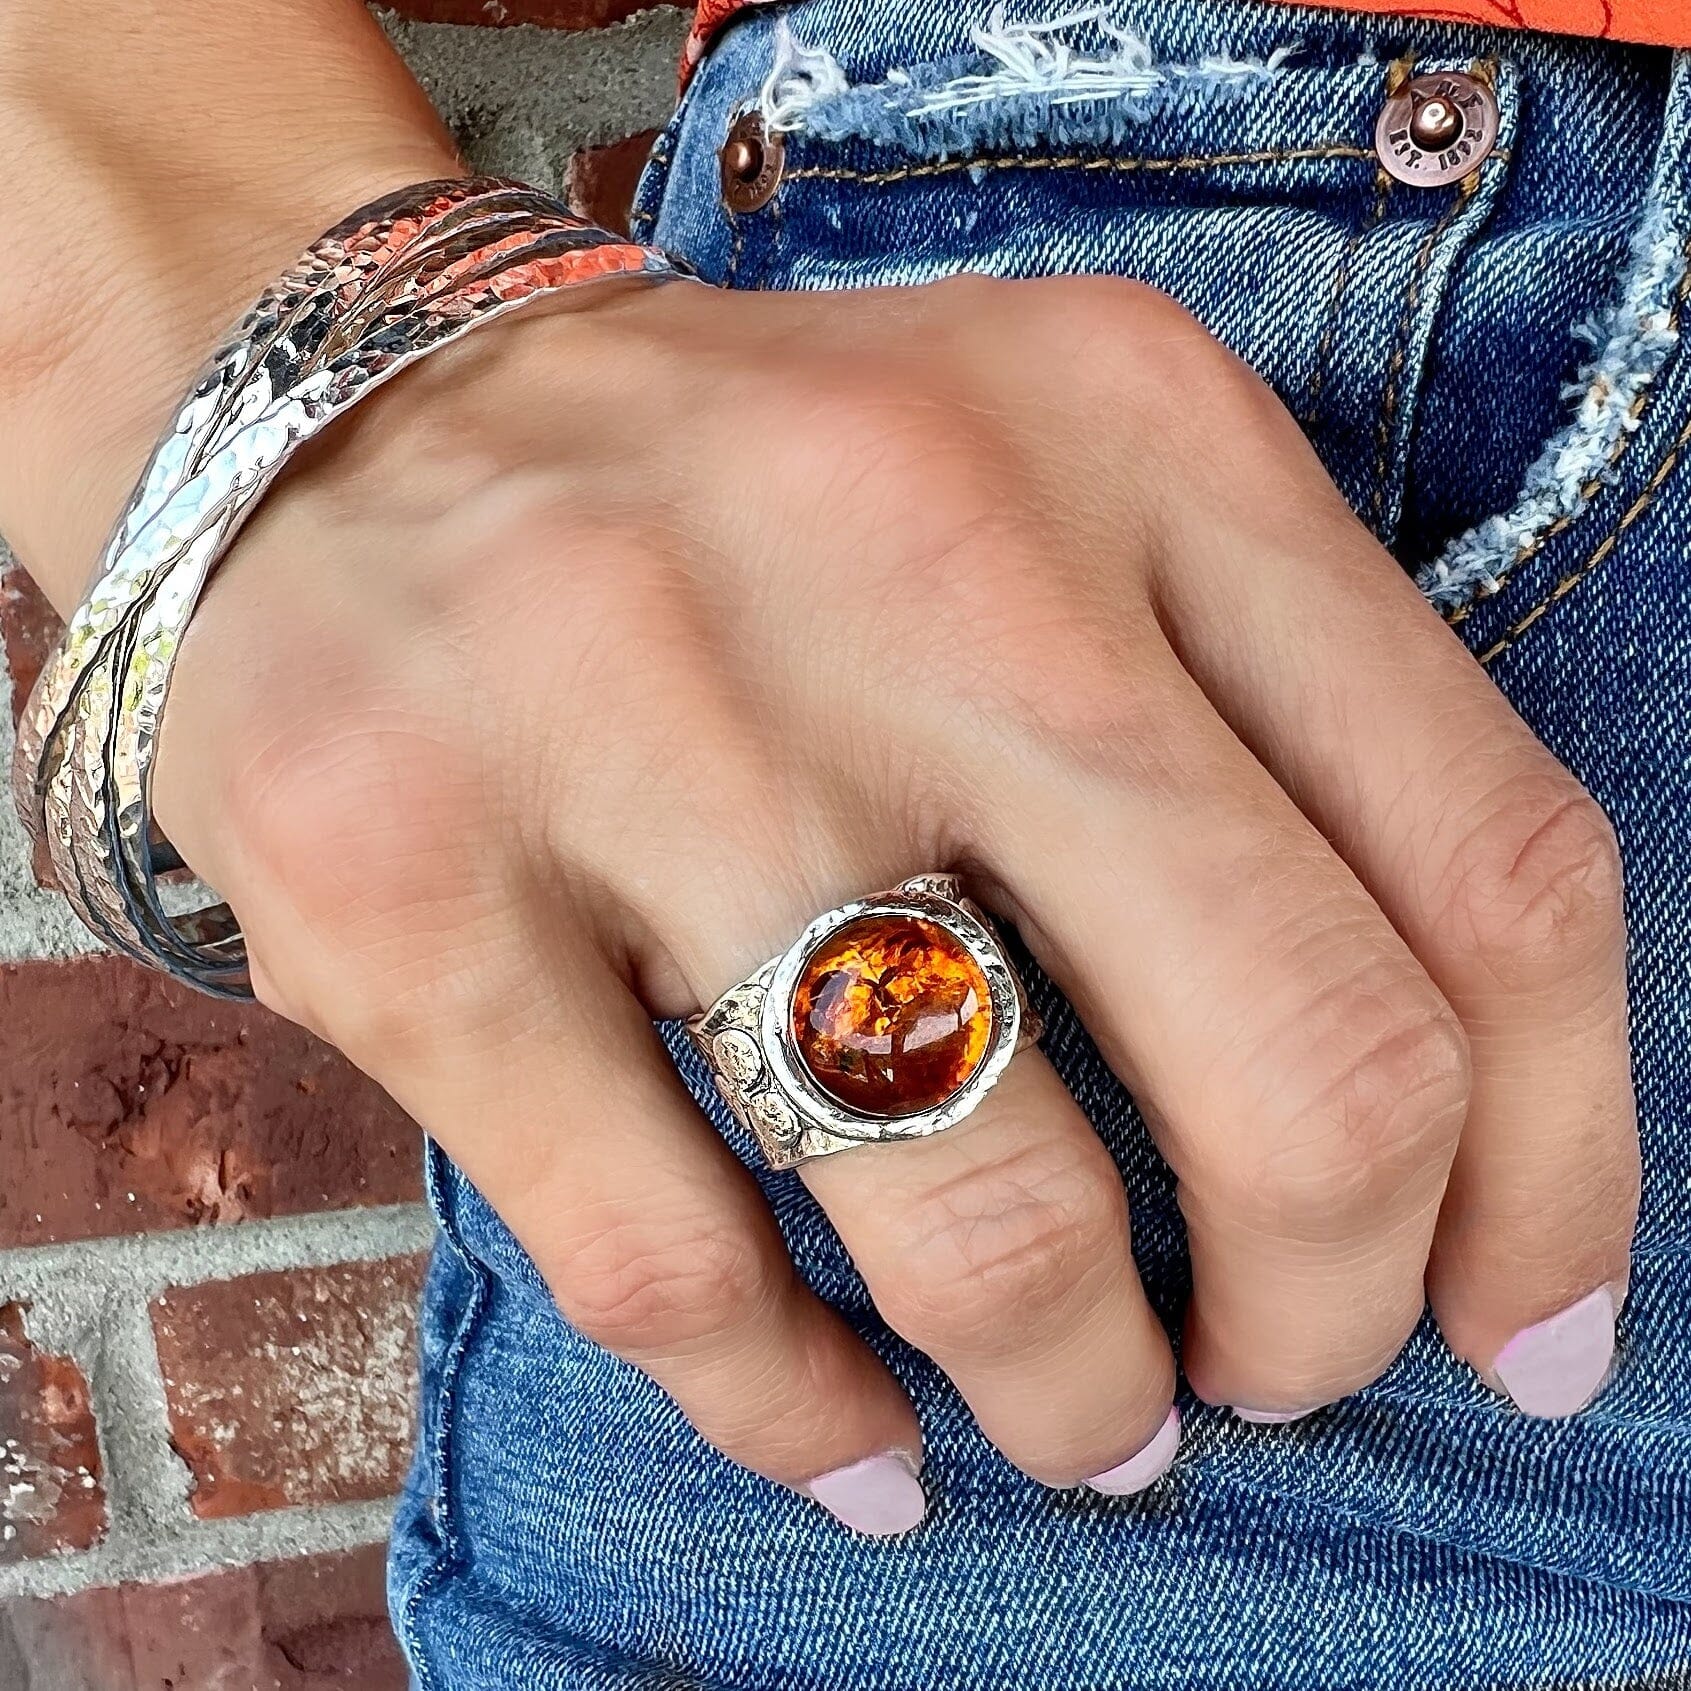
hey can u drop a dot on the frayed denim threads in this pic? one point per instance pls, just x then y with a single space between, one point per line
1630 342
1026 84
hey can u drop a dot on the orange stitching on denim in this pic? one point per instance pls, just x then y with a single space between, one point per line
1400 356
1039 161
1531 547
1336 301
642 223
1604 550
736 249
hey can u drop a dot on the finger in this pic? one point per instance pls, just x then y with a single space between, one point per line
550 1088
1504 877
1300 1072
1001 1249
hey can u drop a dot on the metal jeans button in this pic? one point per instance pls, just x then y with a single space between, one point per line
753 159
1437 129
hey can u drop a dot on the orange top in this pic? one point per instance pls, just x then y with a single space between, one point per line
1665 23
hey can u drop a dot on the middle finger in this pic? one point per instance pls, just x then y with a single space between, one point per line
1001 1249
1297 1067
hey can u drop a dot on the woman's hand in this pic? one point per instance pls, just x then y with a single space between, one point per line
584 666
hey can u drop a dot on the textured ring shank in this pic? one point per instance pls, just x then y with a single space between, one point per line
398 279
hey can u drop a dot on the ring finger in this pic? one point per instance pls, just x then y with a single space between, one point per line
1001 1249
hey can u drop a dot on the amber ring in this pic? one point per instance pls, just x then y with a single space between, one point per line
889 1018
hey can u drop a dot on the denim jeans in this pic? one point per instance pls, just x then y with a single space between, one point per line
1497 381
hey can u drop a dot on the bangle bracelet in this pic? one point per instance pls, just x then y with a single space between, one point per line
407 274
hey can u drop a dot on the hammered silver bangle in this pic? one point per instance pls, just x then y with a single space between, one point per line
401 277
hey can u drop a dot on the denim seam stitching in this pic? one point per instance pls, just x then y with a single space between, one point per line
1589 490
1336 301
736 248
447 1555
1400 357
1599 556
641 223
1078 161
772 247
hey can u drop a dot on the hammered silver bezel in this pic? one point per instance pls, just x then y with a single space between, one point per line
792 1075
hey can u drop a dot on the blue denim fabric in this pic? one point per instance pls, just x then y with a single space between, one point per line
564 1528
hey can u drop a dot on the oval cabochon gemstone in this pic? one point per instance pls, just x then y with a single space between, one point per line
892 1015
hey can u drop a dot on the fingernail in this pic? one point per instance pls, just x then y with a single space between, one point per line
1148 1465
1269 1417
1558 1366
880 1496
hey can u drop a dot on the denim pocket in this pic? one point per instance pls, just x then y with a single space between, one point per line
1247 186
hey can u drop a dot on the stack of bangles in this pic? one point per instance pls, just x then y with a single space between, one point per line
405 275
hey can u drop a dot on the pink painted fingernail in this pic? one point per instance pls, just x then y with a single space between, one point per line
1269 1417
879 1496
1148 1465
1558 1366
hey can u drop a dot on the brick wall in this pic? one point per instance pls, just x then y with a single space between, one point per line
211 1235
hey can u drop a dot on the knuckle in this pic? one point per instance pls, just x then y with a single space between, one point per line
380 796
875 445
1536 888
644 1290
1081 304
961 298
1126 343
992 1256
1365 1129
356 835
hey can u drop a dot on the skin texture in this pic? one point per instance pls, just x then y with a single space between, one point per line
578 670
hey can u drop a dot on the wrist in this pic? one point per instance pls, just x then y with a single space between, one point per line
165 180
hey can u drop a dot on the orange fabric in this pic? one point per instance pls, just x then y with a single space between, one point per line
1665 23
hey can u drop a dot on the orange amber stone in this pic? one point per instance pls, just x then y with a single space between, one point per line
892 1015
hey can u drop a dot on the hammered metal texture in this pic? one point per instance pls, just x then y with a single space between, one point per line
764 1084
398 279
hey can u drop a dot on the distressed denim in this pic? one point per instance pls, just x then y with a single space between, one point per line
1499 384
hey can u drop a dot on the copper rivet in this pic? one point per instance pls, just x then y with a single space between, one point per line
1435 125
753 159
741 159
1437 129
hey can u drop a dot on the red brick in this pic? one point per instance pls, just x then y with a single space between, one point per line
292 1388
319 1624
28 629
549 14
602 179
129 1103
51 1493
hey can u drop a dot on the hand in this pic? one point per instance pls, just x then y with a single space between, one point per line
576 673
